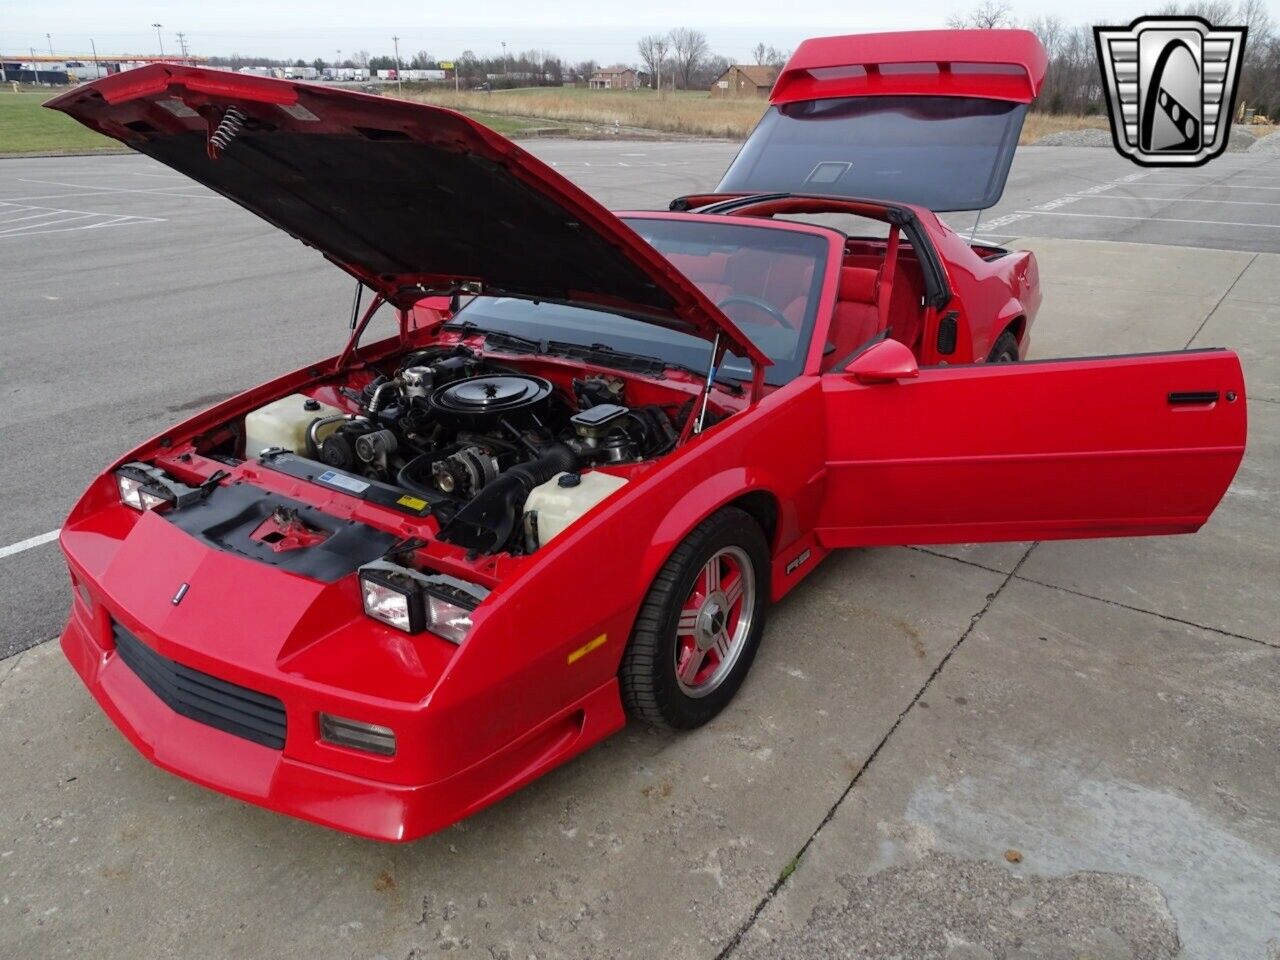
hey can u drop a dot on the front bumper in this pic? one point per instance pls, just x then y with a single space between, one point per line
271 778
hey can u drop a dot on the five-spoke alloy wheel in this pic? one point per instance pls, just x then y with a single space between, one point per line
700 624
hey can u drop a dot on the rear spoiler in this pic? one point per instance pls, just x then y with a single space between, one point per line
991 64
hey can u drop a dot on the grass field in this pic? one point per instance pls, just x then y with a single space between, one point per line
26 127
684 112
692 113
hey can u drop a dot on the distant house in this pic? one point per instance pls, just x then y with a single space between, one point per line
745 80
615 78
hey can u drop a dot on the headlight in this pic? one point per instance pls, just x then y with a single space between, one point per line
145 487
130 491
413 601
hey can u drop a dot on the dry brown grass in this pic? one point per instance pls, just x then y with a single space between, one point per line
1038 125
685 112
693 114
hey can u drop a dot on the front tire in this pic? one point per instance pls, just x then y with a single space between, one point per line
700 625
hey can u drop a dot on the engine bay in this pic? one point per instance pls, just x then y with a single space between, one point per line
503 458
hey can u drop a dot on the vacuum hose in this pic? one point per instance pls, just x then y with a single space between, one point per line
487 522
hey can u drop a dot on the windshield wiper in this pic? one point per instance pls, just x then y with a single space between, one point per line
499 338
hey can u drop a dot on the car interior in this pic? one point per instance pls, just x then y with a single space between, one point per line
881 283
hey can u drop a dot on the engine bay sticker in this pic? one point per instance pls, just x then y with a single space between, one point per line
413 503
343 482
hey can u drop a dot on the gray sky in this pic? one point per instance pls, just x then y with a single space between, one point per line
574 29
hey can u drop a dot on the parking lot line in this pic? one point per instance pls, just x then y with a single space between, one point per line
1117 216
29 544
1243 203
1204 183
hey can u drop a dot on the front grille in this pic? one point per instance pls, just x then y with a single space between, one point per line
200 697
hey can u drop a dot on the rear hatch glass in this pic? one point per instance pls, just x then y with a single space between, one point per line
940 152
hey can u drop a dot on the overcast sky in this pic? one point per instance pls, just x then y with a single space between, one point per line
574 29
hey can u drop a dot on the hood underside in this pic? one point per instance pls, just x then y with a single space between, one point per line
409 198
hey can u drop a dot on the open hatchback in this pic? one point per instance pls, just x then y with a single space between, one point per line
385 590
929 118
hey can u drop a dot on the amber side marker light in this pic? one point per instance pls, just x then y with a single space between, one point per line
369 737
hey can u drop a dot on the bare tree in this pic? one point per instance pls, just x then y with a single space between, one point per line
1051 31
987 15
688 47
653 51
771 56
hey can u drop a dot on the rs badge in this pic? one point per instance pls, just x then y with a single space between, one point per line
1171 87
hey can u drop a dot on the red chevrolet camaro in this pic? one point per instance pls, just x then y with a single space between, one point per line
384 591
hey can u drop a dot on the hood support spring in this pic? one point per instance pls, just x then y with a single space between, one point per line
228 129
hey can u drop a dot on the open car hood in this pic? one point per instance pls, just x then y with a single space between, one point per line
411 199
929 117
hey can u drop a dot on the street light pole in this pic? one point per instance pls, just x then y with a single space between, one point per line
159 39
506 68
97 67
50 39
399 82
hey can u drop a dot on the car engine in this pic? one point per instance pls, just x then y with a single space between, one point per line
473 438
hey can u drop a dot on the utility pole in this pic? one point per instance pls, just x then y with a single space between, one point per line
182 43
399 83
97 67
506 67
159 39
35 68
50 39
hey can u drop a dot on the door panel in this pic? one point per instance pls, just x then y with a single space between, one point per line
1102 447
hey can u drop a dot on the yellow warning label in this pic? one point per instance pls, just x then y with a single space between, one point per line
413 503
586 648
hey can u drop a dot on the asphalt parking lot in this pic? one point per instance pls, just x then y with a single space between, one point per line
1062 749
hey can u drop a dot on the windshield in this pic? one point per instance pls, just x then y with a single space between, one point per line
944 153
766 280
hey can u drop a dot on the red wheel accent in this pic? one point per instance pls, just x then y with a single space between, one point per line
715 621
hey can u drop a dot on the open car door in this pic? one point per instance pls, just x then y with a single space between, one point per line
1051 449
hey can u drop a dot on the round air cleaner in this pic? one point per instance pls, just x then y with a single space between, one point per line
481 398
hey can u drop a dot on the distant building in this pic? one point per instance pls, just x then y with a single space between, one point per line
745 80
615 78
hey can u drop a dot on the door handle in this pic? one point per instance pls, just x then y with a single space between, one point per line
1193 397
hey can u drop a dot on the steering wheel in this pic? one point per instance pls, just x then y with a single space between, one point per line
777 316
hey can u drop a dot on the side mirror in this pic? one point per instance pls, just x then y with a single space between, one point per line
883 362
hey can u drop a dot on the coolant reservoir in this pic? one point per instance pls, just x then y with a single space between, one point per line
284 424
560 502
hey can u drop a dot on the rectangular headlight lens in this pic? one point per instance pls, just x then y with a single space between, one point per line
369 737
130 491
415 600
395 606
447 619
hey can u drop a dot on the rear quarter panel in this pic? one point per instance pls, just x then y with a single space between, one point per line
990 295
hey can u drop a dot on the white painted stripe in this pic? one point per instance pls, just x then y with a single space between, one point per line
1206 184
1114 216
1241 203
28 544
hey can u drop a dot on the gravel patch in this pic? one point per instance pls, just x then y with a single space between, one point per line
1268 144
1241 139
1088 137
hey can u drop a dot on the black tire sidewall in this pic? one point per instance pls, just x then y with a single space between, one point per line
725 529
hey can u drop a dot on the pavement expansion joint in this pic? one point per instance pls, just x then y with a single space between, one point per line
1221 300
794 862
1114 603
